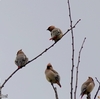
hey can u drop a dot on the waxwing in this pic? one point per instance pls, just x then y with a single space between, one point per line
21 59
87 87
56 33
51 75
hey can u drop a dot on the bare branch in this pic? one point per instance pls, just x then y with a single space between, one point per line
71 93
53 43
36 57
55 90
78 67
72 27
98 88
8 78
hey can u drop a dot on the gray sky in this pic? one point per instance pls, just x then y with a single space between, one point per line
23 25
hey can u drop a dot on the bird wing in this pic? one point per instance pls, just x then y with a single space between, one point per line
57 77
55 32
54 71
84 87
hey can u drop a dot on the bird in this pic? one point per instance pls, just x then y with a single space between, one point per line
51 75
21 59
56 33
87 87
98 97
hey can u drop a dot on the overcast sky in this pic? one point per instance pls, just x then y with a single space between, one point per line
23 25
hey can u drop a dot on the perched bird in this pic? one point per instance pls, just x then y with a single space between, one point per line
21 59
56 33
98 97
87 87
51 75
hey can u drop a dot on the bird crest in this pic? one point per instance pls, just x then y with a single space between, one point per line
50 28
20 51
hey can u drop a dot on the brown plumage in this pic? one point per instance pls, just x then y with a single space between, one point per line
87 87
51 75
56 33
21 59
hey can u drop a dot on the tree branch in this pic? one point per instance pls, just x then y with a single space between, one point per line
98 88
55 90
72 27
36 56
53 43
78 67
8 78
71 93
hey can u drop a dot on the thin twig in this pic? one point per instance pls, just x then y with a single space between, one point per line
55 90
53 43
36 56
98 88
9 78
78 67
71 93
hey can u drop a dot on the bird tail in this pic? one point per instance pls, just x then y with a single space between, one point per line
53 38
59 84
50 39
81 95
19 67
